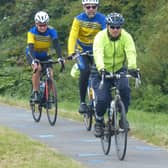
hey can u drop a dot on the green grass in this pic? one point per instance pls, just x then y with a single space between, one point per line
151 127
19 151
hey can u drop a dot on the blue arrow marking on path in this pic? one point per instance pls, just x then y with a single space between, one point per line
148 148
46 136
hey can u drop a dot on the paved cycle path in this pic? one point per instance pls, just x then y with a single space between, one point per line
71 138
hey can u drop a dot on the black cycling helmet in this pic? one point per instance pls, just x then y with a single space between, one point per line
114 19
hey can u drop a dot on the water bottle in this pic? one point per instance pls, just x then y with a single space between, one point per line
42 87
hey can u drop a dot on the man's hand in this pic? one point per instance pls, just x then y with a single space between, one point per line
102 73
134 72
61 61
35 61
70 57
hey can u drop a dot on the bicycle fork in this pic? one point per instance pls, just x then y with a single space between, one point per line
111 118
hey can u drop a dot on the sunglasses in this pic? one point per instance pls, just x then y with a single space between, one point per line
42 25
93 7
115 27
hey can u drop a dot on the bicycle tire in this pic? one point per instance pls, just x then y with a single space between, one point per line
51 101
120 134
88 117
106 139
36 109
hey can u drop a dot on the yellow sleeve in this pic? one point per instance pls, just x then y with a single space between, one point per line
73 36
98 51
30 38
130 51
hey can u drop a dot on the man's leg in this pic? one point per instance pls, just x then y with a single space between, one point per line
125 94
83 84
35 83
102 101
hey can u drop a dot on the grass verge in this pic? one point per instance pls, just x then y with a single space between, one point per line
19 151
151 127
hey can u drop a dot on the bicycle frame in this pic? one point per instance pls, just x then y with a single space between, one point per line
49 98
116 123
91 96
46 76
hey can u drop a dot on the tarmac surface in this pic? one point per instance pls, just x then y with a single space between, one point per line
71 139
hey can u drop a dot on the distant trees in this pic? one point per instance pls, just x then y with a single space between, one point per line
146 20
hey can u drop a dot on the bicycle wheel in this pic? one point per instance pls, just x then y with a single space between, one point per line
121 130
36 111
87 117
106 139
51 101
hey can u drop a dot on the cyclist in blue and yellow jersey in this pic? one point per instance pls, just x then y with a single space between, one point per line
84 28
114 51
40 38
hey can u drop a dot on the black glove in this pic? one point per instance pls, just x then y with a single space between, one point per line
103 73
70 57
61 60
134 72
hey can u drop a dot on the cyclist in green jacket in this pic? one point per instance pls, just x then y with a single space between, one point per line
114 51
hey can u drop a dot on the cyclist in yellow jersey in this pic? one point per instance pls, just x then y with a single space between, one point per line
84 28
39 39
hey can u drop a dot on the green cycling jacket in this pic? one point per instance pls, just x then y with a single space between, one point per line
113 55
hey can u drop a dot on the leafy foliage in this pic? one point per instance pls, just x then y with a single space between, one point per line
146 20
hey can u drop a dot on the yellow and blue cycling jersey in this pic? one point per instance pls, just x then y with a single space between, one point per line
83 31
41 41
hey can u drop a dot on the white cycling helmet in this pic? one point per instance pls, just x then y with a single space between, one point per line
90 1
41 17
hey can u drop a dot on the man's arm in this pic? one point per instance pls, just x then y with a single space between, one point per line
130 51
31 51
73 36
98 51
57 47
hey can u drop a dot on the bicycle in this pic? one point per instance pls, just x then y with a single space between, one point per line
116 123
47 95
90 100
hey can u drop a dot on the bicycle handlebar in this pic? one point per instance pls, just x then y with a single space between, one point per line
78 53
117 76
50 61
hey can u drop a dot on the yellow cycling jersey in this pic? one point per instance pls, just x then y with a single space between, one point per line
83 31
41 41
